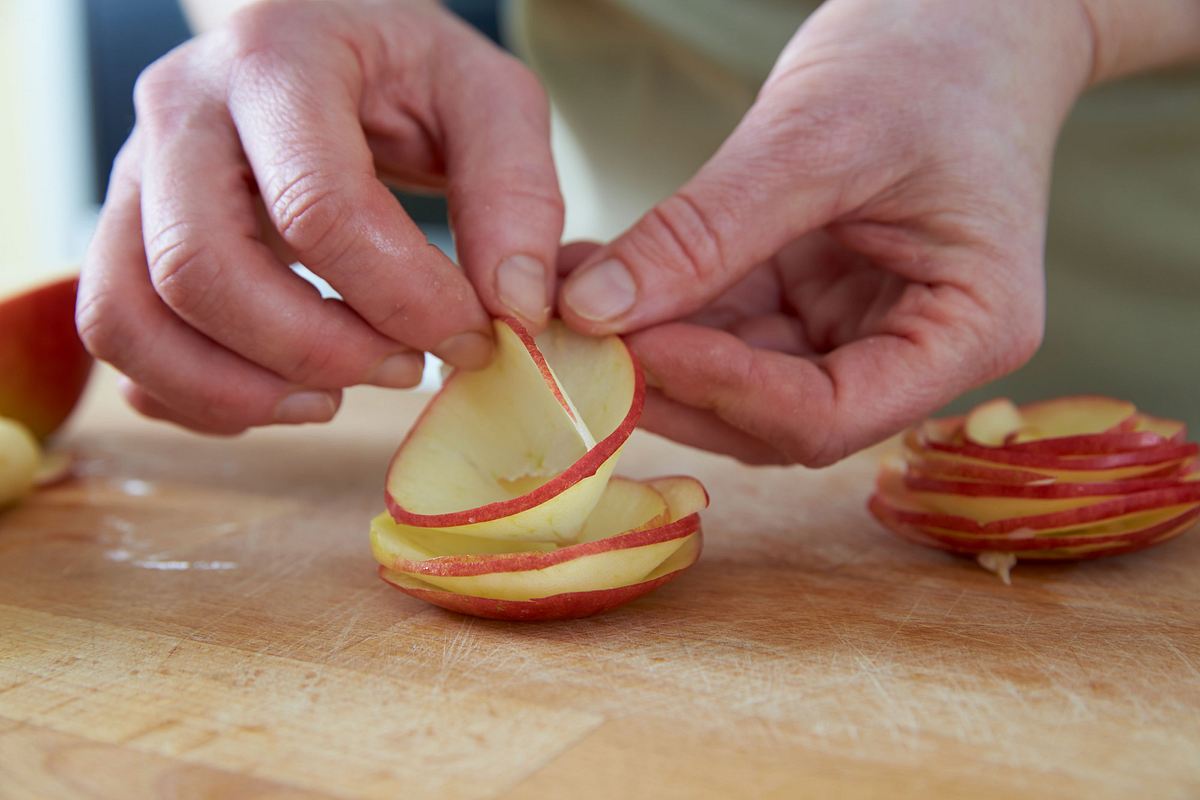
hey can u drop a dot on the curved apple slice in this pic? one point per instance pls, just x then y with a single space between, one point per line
1109 541
988 503
522 449
1172 430
935 439
638 536
1067 417
912 510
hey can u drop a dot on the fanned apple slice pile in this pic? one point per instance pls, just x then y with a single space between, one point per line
1072 478
502 501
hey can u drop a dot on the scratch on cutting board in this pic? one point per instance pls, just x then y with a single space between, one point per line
1187 662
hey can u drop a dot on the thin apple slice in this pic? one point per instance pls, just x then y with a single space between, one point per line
1066 417
934 439
911 510
1124 530
522 449
617 550
574 605
639 535
1171 430
1046 548
992 423
626 505
43 365
922 486
943 463
20 456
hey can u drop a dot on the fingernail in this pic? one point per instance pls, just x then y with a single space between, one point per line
651 379
306 407
521 285
397 371
602 291
468 350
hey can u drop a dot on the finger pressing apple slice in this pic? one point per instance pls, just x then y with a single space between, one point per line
522 449
1077 477
639 536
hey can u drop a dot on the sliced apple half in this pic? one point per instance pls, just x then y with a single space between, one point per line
1077 477
522 449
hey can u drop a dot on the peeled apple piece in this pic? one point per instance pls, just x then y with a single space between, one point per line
1070 478
501 501
20 458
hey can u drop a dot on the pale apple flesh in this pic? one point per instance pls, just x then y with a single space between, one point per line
1078 477
523 449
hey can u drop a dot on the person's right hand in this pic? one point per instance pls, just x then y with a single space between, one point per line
261 143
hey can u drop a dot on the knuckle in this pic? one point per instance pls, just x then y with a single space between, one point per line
523 187
181 269
824 452
684 236
157 89
309 213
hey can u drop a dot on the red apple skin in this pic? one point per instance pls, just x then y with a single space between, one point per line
1049 491
1103 510
463 566
585 467
43 364
572 605
1028 546
999 455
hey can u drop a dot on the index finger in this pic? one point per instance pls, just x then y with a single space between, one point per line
299 126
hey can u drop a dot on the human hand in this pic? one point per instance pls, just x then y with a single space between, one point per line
865 246
259 144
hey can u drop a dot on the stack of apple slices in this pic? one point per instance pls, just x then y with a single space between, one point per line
502 501
1072 478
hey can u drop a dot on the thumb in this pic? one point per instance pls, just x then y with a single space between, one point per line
755 195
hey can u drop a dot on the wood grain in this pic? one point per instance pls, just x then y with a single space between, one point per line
200 618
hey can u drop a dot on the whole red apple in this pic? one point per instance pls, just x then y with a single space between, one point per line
43 365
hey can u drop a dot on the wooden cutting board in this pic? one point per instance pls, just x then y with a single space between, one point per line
201 618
